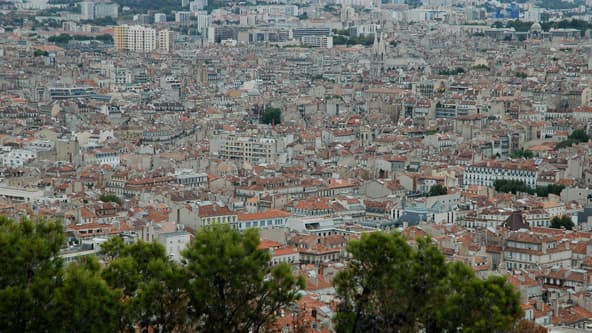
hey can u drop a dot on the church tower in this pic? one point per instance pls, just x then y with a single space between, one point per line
378 56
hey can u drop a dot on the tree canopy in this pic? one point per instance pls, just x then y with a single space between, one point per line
389 286
224 284
271 116
522 153
452 71
437 189
515 186
232 287
110 198
62 39
564 221
577 136
38 294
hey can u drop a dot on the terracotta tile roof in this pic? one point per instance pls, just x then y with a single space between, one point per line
214 210
86 213
284 251
571 315
313 204
268 214
266 244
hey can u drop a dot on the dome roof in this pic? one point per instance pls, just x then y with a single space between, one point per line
536 27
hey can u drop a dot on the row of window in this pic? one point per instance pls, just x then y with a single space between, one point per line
262 223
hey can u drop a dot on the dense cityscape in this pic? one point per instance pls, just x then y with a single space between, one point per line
296 166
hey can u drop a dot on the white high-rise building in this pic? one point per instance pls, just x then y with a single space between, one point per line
211 35
160 18
103 9
203 21
87 10
138 38
165 40
141 39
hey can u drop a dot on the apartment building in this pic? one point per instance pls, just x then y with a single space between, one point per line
91 10
528 250
268 219
87 10
204 21
249 148
323 42
138 38
487 173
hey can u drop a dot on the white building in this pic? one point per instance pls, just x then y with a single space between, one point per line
268 219
188 177
165 40
142 39
174 243
204 21
487 173
17 158
103 9
87 10
160 18
247 148
323 42
103 156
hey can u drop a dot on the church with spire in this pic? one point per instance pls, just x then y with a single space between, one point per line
379 48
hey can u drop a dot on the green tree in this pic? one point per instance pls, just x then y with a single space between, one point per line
389 286
271 116
453 71
512 186
152 286
579 135
31 272
437 189
60 39
564 221
522 153
232 287
564 144
85 303
521 75
110 198
39 53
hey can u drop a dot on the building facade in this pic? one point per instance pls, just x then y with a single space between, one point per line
487 173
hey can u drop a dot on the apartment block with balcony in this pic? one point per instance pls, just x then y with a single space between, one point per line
250 149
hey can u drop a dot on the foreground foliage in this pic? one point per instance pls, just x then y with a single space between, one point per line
225 284
390 286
